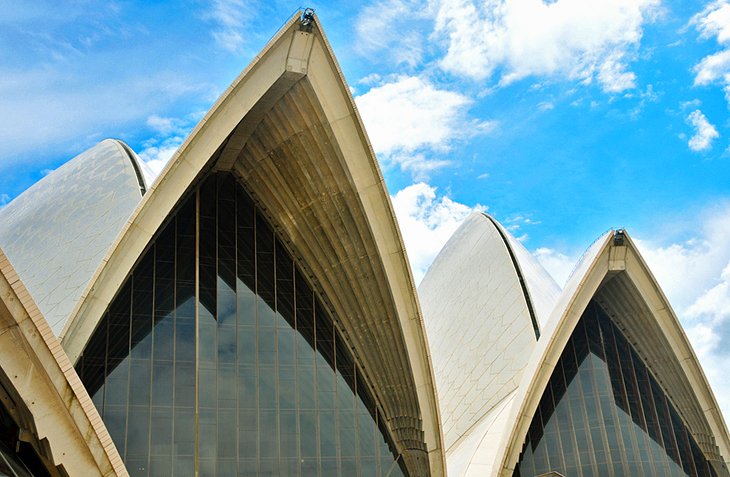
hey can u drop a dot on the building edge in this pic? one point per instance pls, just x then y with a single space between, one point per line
59 419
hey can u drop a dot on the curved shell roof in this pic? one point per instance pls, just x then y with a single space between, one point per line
289 130
57 232
479 313
613 273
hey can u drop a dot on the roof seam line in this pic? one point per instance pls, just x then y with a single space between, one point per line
135 166
523 283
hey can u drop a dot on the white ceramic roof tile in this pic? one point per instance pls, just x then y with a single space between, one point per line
57 231
475 454
478 325
481 335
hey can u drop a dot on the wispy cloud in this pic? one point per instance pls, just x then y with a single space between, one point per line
229 17
427 220
573 39
704 133
389 26
410 114
48 107
168 136
714 22
558 264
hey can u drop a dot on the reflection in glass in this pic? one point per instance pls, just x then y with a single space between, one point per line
604 414
247 377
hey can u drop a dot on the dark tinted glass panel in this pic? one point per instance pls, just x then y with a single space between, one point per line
604 414
249 376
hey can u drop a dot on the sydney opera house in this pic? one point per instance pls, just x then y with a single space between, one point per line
251 312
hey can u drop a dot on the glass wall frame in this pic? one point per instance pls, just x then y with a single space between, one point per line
216 355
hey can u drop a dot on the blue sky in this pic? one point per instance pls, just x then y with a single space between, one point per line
560 118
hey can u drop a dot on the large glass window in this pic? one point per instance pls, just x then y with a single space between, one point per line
229 365
603 414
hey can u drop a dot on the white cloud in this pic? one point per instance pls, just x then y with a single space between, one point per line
162 125
715 302
410 114
229 17
55 110
613 76
427 221
515 39
169 135
695 275
713 68
558 264
387 25
714 22
157 154
695 103
419 165
515 223
704 131
687 269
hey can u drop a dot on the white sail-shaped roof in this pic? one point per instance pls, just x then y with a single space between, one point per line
57 232
482 323
490 367
288 129
613 273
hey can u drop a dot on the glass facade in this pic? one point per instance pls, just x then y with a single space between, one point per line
216 356
604 414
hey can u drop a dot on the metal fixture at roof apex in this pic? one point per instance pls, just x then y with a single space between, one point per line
307 19
618 237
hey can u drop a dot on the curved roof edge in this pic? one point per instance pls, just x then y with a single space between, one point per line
140 169
480 324
605 260
540 290
286 59
58 230
478 299
53 401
